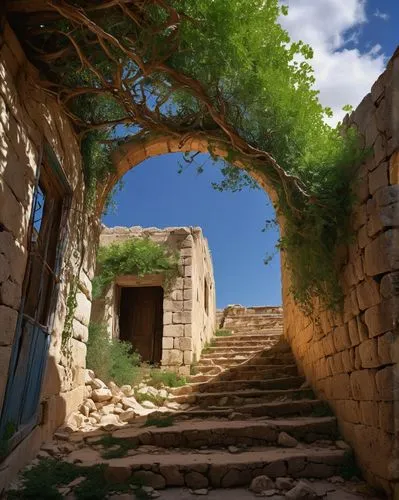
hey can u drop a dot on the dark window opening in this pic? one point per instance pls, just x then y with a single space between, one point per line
41 276
141 320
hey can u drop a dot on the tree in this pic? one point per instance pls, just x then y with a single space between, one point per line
127 69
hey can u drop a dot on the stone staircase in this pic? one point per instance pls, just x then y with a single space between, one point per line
248 414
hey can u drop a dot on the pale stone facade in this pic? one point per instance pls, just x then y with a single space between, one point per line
189 303
351 359
33 129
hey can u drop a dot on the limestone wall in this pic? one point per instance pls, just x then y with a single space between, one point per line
29 118
186 325
203 290
351 358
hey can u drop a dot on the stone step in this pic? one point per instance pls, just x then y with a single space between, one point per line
217 385
221 469
237 398
211 359
275 409
224 352
239 385
233 349
232 342
258 372
196 379
214 433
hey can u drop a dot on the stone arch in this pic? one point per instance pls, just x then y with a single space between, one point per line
134 152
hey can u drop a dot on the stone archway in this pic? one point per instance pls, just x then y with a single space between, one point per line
134 152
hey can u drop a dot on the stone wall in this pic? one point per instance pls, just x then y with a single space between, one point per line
29 118
186 324
203 285
351 358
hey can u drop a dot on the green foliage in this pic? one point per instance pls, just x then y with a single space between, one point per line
138 256
157 421
156 399
223 333
115 447
71 305
112 359
226 70
42 480
159 378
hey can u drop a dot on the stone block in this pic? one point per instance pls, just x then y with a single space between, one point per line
188 305
368 294
167 342
363 238
381 318
337 365
368 351
328 344
167 318
188 271
348 410
188 294
340 387
184 343
188 330
382 254
341 338
186 252
394 169
387 383
353 332
363 385
13 216
386 420
10 293
172 357
387 195
173 331
8 322
83 309
362 328
182 317
176 295
378 178
80 331
369 411
389 285
348 360
173 305
371 442
385 344
188 357
5 268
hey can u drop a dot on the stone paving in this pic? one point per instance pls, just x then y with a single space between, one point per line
251 423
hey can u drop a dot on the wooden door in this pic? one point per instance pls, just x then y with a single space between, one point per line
141 320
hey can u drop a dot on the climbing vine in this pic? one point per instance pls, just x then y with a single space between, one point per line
138 256
224 71
71 304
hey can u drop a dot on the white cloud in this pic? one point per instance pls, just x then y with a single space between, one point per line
381 15
343 75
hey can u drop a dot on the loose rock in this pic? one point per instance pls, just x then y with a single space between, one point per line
301 491
261 483
286 440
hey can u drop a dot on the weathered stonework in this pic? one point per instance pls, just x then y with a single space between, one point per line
188 323
29 118
351 359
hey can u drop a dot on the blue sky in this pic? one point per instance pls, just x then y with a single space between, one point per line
351 45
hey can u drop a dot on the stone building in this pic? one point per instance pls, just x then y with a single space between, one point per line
167 325
48 245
